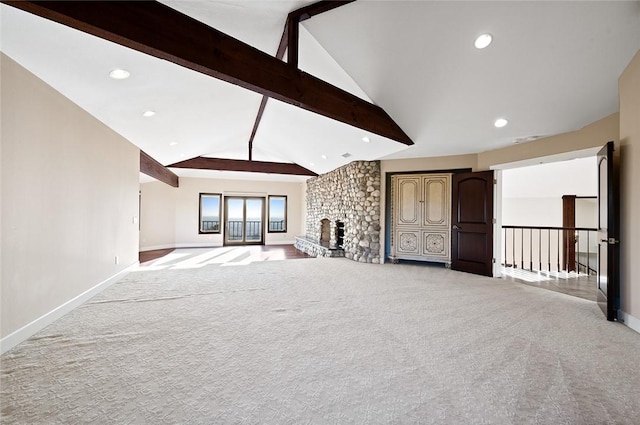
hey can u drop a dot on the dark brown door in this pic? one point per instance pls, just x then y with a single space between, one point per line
608 283
472 223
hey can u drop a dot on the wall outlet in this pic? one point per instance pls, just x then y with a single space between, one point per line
117 259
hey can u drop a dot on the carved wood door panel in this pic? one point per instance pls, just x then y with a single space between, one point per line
408 201
421 215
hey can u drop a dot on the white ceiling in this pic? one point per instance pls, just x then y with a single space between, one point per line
552 68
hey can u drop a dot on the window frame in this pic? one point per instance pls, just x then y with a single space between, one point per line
209 232
286 207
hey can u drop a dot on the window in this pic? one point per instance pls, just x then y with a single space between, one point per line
277 214
209 217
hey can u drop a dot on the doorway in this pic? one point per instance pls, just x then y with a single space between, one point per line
243 220
545 222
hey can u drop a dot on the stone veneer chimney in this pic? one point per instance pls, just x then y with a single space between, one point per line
349 195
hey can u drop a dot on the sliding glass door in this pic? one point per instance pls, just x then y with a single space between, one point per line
243 218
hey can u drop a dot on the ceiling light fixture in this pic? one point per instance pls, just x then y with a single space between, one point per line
483 41
366 139
312 164
323 156
173 143
119 74
500 122
148 114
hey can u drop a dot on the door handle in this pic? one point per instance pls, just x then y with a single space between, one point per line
455 227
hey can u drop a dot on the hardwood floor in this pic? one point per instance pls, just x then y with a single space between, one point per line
146 256
284 252
574 284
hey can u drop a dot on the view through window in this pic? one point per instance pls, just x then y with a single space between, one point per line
209 213
244 218
277 214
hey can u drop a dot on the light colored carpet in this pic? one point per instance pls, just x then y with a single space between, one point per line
325 341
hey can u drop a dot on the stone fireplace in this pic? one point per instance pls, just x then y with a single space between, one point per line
343 213
331 234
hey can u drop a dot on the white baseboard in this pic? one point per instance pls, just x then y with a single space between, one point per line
198 245
629 320
25 332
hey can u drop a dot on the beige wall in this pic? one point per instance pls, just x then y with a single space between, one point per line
157 215
429 164
629 88
592 135
69 198
169 216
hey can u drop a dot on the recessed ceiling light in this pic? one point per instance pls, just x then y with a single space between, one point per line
483 41
173 143
323 156
500 122
119 74
366 139
183 155
148 114
312 164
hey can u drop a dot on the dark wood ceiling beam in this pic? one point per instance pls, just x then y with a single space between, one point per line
290 37
153 168
256 124
293 32
294 18
282 47
155 29
223 164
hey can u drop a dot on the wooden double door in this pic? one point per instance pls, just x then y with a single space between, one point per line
445 218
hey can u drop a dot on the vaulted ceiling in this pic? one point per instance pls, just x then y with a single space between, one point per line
552 68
